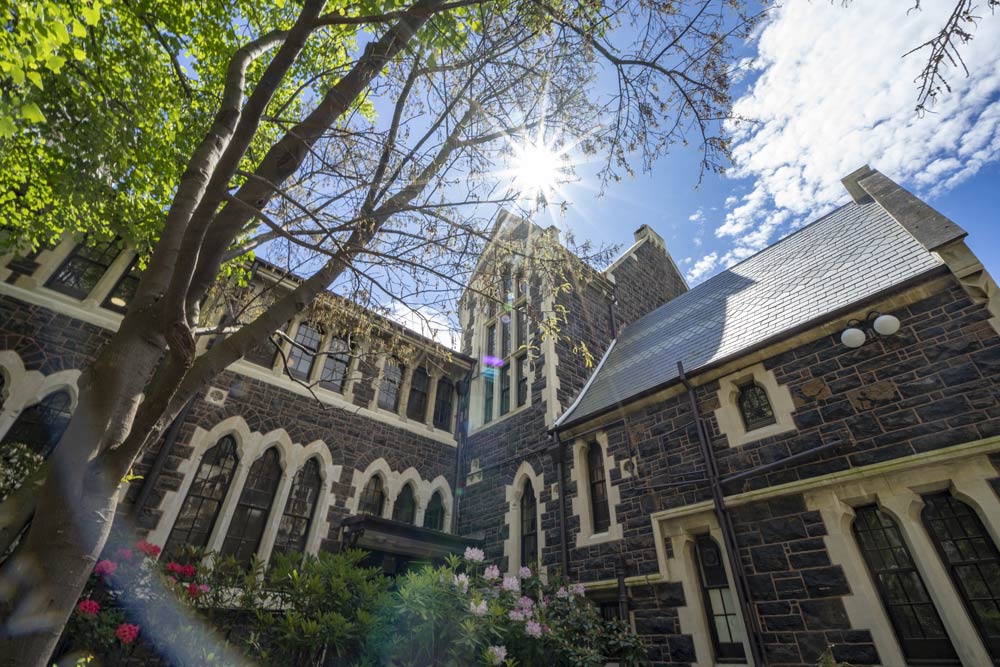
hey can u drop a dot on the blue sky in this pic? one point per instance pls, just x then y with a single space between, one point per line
830 92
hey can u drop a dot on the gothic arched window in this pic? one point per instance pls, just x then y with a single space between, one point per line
755 407
972 560
253 508
41 425
600 512
434 514
720 603
529 525
373 497
914 618
405 507
299 509
204 498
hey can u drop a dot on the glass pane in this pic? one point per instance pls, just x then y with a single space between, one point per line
294 527
373 497
388 393
335 365
247 524
199 511
443 404
416 405
755 407
405 507
434 514
84 267
41 425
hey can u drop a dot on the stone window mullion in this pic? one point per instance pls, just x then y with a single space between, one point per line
433 379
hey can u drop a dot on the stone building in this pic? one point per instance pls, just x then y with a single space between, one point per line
797 456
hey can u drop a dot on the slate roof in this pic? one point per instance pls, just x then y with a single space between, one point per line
840 259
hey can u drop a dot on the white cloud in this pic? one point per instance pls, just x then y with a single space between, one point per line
698 216
701 267
427 322
833 93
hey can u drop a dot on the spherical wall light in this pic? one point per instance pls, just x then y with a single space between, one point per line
853 337
886 325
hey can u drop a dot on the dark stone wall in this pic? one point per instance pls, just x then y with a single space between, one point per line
50 342
644 282
932 385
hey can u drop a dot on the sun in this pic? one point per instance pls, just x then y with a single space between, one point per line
538 169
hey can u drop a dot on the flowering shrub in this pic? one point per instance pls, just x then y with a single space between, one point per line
465 614
17 461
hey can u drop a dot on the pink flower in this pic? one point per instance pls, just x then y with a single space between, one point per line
533 629
204 588
478 609
188 571
88 607
193 590
127 633
524 572
496 655
174 568
124 554
578 589
148 548
546 629
562 592
491 572
511 584
526 603
516 615
474 555
105 568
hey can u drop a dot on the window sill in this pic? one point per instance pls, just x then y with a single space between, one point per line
613 534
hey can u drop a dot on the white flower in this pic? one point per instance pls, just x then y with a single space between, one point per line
533 628
511 584
474 555
524 572
526 603
462 582
491 572
562 592
497 654
516 615
478 609
578 589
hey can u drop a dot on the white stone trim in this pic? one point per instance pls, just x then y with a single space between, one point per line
392 484
512 518
682 567
898 493
251 445
24 388
728 414
581 503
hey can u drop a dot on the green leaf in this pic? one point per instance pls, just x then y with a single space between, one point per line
55 63
91 15
7 127
79 53
31 113
36 79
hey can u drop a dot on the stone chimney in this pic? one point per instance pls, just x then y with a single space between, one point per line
646 232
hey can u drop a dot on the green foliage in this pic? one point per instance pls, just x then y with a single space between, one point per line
17 461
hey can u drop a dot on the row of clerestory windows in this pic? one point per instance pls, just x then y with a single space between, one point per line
504 359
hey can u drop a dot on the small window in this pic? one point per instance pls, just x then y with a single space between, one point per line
434 514
335 366
252 510
302 354
505 389
755 408
505 335
599 510
914 618
488 376
81 271
388 392
522 380
265 353
443 404
720 604
491 340
405 507
416 405
372 498
293 531
41 425
972 560
529 525
123 291
204 497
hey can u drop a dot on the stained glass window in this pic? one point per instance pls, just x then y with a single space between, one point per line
755 408
916 621
253 508
204 497
972 560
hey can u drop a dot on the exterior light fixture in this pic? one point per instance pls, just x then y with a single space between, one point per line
859 332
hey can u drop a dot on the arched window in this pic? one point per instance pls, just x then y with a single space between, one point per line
405 507
250 517
914 618
373 497
41 425
972 560
755 408
600 512
204 498
434 514
529 525
299 509
720 603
